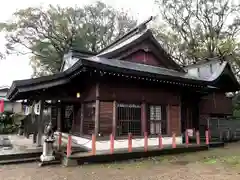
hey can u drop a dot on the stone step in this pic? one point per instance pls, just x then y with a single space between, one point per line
19 160
24 155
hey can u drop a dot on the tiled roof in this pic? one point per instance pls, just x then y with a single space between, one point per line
141 67
209 70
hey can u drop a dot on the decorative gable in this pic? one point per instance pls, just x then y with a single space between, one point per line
140 47
144 57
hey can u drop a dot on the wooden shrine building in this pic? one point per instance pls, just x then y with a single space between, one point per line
134 86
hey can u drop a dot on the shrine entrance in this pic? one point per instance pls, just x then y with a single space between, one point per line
190 112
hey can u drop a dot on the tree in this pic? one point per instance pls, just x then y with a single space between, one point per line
48 33
205 28
7 124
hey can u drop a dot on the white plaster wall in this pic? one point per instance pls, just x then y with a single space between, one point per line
123 143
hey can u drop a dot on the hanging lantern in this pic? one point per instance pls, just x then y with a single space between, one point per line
78 95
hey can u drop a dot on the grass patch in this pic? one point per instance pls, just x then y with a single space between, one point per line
210 161
231 160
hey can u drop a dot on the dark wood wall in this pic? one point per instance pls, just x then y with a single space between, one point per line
128 92
106 118
174 119
216 103
89 94
134 94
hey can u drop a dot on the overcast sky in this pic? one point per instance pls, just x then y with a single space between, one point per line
17 67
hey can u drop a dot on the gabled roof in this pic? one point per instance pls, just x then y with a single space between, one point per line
129 40
138 36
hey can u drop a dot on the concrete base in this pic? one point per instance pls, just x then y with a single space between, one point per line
47 158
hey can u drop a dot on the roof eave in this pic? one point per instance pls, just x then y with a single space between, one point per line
43 82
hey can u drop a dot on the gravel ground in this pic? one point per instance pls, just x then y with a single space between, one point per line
217 164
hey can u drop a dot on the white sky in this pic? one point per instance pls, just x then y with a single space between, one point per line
17 67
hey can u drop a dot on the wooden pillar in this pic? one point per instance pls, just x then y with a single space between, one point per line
82 119
72 129
33 119
169 120
180 117
114 122
40 124
59 119
97 110
144 117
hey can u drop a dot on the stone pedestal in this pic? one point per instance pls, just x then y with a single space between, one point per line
21 128
47 154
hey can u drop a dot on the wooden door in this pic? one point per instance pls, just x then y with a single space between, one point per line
190 113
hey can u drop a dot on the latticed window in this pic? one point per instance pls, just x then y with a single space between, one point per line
89 118
129 119
157 119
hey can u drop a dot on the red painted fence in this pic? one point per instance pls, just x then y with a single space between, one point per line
130 138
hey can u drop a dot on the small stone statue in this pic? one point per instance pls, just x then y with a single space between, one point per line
49 131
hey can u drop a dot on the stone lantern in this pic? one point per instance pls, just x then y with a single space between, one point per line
48 152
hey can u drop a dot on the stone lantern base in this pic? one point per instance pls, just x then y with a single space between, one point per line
48 154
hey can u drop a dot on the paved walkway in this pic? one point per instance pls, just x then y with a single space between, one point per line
13 144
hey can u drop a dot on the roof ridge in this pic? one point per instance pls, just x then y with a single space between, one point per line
137 29
82 51
147 65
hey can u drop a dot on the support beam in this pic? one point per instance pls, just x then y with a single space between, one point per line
114 122
97 110
40 124
144 117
